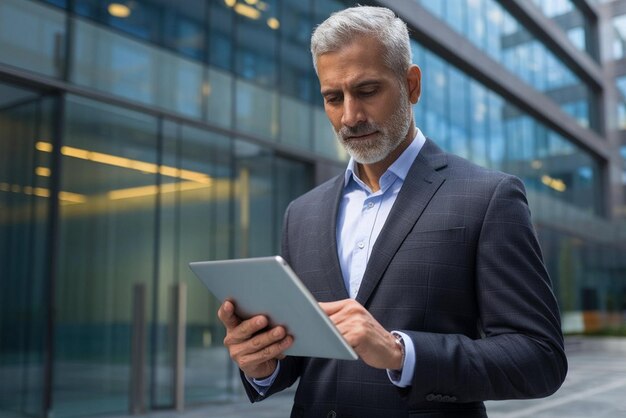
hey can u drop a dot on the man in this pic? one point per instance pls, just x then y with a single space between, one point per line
427 264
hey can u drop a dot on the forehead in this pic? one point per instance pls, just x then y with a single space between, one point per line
358 60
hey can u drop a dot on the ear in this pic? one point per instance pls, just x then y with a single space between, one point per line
414 81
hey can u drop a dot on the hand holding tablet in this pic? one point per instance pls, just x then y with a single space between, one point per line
267 286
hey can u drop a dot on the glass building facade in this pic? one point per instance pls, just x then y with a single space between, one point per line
138 136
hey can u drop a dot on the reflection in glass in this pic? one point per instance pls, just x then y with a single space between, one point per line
116 64
24 220
257 110
106 246
508 42
39 48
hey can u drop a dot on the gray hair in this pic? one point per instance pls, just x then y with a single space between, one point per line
379 23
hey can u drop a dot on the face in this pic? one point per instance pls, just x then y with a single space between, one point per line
368 106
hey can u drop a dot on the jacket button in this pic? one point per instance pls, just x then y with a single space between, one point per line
452 398
445 398
331 414
438 398
430 397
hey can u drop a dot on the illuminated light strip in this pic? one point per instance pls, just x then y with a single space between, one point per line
553 183
72 197
144 191
42 192
123 162
43 171
43 146
247 11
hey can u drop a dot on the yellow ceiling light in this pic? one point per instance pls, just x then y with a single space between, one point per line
66 197
262 6
536 164
72 197
119 10
556 184
252 2
145 191
273 23
43 171
247 11
230 3
128 163
43 146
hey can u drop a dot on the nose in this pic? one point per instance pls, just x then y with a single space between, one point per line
353 112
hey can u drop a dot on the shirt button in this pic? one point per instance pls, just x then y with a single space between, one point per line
370 205
361 245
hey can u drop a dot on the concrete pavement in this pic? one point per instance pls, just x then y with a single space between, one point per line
595 387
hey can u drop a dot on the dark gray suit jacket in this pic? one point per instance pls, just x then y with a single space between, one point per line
458 268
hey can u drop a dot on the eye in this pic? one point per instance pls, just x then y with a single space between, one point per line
368 92
332 98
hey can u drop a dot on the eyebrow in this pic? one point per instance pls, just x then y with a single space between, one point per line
360 84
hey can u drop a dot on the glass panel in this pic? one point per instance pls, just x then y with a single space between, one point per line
255 230
204 233
162 357
295 123
106 246
257 110
265 186
510 43
464 117
219 97
195 224
115 64
297 77
256 37
221 35
184 27
566 15
458 89
137 18
478 123
620 83
324 138
619 37
41 37
24 205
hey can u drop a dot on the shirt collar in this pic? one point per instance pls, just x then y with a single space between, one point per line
400 166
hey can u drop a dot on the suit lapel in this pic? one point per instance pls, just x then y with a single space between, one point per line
328 235
420 185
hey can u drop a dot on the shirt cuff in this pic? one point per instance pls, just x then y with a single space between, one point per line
403 378
262 385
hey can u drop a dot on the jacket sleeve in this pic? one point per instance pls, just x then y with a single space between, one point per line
521 353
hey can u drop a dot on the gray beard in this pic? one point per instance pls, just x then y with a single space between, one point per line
390 135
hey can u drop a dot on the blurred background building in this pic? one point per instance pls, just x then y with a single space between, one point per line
139 135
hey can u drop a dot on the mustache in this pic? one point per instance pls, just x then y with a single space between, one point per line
363 128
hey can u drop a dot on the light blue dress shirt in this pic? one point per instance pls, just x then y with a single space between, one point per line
361 216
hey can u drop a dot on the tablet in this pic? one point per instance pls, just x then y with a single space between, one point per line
268 286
